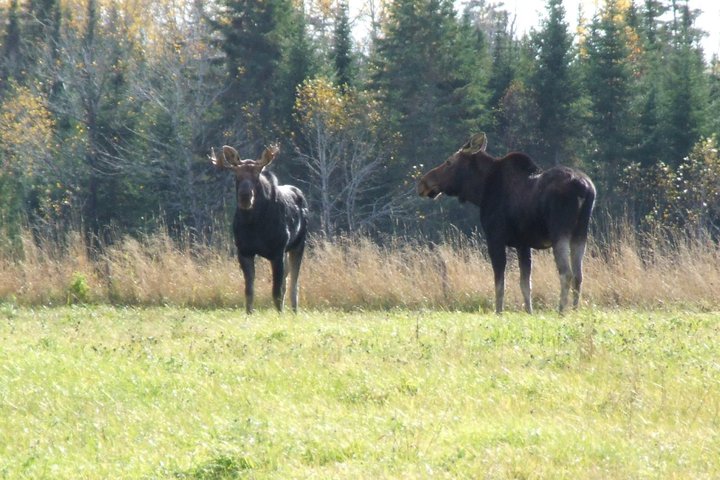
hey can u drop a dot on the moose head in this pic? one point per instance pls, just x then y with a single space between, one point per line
450 177
247 172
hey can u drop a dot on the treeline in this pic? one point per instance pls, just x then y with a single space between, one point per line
109 108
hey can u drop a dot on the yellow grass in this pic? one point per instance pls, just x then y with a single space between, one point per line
359 273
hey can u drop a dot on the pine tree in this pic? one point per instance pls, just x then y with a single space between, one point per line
421 75
503 73
471 48
267 55
429 75
43 24
556 92
30 40
253 52
608 82
297 63
686 90
11 64
714 89
649 145
342 48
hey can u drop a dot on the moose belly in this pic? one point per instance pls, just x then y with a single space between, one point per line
537 244
266 248
533 236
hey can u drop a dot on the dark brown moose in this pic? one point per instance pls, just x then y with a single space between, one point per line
270 221
523 207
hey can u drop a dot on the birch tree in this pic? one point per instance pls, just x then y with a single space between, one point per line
346 158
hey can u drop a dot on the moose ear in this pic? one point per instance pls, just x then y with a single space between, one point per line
477 143
269 155
231 156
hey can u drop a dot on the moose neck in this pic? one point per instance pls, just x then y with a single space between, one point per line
475 178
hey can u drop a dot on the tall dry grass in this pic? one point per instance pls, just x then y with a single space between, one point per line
620 270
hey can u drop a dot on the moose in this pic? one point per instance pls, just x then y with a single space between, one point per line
523 207
270 221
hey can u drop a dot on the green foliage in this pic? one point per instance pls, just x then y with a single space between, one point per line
11 220
685 198
714 92
429 73
11 61
78 290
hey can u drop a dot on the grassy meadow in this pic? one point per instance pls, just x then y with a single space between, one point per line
139 362
172 392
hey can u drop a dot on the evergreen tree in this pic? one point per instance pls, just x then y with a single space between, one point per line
608 82
252 43
556 92
11 62
503 73
297 63
504 57
685 87
342 48
714 89
43 25
420 74
31 37
649 145
471 49
429 76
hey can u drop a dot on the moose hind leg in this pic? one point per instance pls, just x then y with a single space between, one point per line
525 261
247 265
577 251
294 260
278 281
561 251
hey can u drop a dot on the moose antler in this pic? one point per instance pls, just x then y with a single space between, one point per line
218 162
231 157
228 158
268 155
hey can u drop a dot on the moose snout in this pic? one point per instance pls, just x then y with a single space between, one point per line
245 194
427 188
245 200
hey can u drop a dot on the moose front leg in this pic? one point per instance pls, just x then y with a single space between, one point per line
525 261
498 258
247 265
278 287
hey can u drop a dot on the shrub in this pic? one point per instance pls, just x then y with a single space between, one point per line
79 290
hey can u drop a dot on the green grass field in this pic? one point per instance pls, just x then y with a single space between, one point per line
103 392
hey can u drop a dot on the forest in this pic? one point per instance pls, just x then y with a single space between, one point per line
109 109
